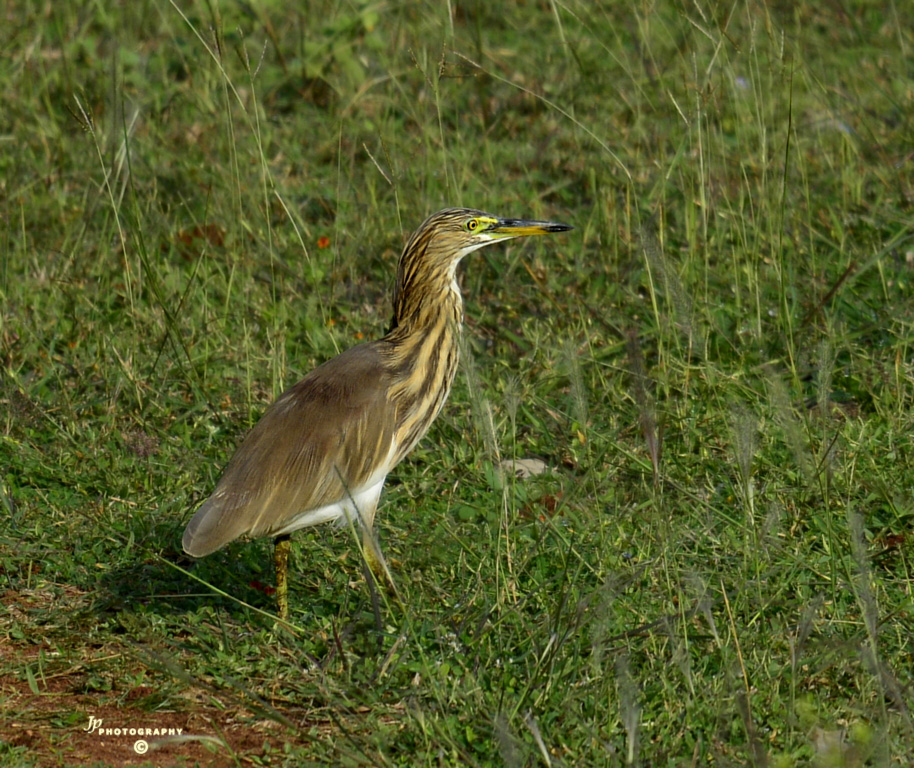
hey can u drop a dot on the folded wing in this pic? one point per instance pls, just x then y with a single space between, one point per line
326 440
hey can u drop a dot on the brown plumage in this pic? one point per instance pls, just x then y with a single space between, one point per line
323 449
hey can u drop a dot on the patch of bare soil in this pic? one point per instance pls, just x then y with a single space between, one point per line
54 721
205 735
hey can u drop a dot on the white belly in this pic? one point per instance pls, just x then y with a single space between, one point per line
358 506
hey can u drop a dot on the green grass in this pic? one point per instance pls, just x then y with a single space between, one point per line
201 201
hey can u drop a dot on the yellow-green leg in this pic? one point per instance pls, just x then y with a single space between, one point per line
376 572
282 545
375 560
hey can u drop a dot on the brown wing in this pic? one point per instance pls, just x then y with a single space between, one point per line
318 443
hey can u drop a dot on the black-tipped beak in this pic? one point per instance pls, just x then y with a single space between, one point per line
521 228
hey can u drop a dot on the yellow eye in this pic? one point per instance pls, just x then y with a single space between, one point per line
472 225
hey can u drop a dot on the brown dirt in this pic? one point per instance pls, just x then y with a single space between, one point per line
49 714
39 722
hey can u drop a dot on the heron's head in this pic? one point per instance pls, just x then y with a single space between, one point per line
444 238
